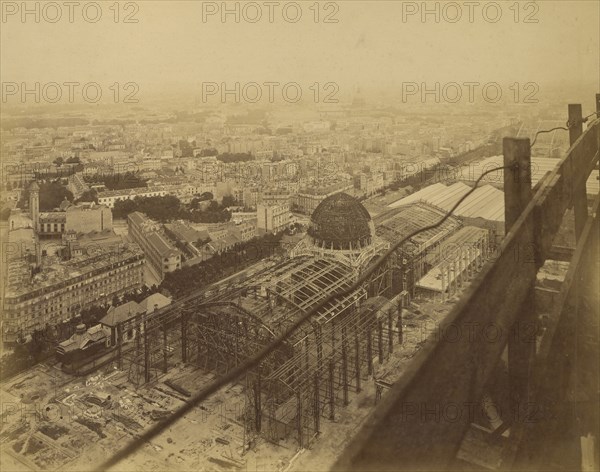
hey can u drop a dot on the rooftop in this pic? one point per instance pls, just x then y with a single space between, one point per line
121 313
485 202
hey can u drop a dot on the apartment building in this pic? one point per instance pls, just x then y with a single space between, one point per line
309 198
160 254
38 296
272 218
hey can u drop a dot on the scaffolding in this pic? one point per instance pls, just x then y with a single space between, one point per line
308 377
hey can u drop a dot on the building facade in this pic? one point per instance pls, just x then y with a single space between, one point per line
272 218
36 299
308 199
88 217
160 254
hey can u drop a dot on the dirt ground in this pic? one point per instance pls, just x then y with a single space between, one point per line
55 421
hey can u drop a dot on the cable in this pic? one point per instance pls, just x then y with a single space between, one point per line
568 127
547 131
254 361
586 118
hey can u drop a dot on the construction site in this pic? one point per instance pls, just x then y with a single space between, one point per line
329 373
301 405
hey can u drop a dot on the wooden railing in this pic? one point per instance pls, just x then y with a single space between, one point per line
421 422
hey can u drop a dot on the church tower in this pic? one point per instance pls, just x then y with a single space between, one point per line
34 205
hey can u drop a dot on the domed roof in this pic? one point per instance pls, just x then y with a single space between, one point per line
340 221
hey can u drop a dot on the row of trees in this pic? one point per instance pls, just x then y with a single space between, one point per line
169 208
162 209
59 161
186 280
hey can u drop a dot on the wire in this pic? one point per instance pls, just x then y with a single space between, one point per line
568 127
547 131
254 361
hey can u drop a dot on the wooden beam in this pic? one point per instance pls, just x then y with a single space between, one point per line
579 192
521 343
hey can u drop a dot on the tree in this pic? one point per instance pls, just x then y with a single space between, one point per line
52 194
195 204
88 196
163 209
228 201
209 152
58 161
186 149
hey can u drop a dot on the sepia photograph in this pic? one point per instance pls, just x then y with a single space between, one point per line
299 236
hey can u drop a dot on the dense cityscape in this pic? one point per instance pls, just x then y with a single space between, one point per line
306 246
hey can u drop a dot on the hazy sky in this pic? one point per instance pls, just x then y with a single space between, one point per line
370 45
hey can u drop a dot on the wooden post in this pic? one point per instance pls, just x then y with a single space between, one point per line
517 181
573 347
580 192
521 348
